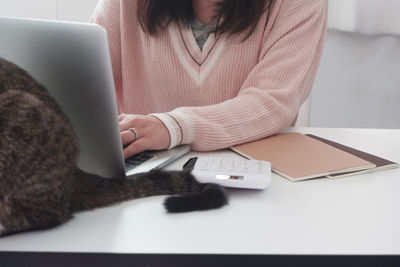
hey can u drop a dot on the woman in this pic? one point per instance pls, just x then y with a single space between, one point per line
210 73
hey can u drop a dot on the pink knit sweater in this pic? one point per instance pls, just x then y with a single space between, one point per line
231 92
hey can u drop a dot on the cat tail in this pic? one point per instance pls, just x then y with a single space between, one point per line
92 191
211 196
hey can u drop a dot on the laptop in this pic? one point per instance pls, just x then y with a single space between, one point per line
72 60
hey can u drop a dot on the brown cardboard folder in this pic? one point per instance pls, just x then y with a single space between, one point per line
299 157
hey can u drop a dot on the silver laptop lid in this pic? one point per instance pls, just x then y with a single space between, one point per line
72 61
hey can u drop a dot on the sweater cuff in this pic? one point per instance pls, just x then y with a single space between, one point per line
173 127
180 127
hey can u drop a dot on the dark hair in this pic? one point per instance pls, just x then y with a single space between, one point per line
238 15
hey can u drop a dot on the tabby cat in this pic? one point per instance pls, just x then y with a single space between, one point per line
40 185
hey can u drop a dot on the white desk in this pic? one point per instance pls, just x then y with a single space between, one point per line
354 215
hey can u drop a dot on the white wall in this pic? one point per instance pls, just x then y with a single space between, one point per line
71 10
360 16
75 10
365 16
44 9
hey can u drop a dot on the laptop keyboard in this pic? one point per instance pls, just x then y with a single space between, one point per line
136 160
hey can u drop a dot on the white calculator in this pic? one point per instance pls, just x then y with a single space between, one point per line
232 172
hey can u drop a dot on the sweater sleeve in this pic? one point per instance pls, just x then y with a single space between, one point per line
107 15
273 91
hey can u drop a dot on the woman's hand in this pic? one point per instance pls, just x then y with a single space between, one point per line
140 133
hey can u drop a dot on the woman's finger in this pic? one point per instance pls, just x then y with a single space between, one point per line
130 121
136 147
121 117
124 125
129 136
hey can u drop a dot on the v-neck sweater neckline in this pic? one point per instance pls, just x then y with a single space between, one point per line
198 55
196 62
201 31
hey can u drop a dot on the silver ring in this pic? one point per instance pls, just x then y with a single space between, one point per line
133 130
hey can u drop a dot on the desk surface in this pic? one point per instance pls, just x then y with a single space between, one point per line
354 215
